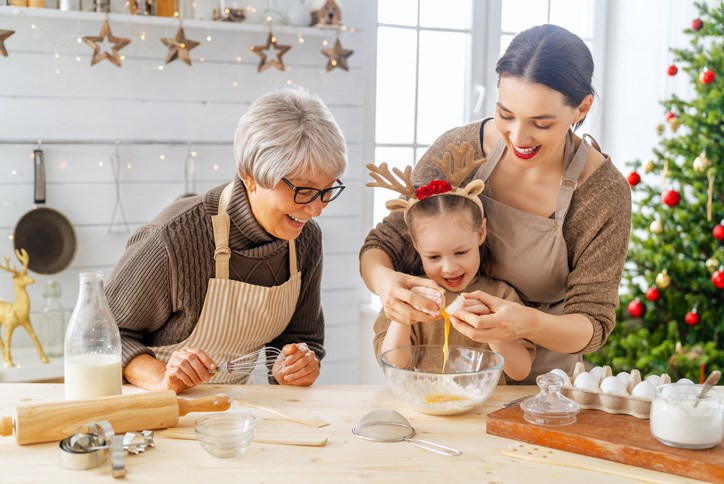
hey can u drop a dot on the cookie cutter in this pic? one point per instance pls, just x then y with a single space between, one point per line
93 442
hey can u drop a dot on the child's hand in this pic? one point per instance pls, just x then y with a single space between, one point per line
401 303
489 319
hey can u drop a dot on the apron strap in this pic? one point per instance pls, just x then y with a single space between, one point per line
221 223
292 258
492 160
569 180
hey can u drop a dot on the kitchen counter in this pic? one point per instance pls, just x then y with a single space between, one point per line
344 458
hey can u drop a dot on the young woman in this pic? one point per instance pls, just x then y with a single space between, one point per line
559 212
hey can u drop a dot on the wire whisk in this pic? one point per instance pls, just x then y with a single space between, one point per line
267 358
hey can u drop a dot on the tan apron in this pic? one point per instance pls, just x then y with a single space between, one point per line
238 318
529 251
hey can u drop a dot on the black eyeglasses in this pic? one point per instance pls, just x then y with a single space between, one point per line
304 195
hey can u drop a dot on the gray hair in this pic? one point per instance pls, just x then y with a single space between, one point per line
286 133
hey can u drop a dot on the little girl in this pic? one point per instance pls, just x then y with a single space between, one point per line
448 229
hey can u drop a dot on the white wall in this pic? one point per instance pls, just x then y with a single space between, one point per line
639 35
58 98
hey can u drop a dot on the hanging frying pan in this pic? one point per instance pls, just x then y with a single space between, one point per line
46 234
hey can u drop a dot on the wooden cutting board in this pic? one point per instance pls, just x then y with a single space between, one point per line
620 438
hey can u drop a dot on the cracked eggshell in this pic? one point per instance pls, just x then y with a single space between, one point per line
586 381
562 374
614 386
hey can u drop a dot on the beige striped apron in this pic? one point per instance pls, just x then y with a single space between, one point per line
238 318
529 251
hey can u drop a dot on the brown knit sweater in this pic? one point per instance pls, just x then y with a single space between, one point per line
434 333
157 289
596 231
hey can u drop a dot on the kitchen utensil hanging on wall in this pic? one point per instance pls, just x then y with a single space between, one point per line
120 227
189 174
46 234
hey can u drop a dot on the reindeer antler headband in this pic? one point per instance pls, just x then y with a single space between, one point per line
462 164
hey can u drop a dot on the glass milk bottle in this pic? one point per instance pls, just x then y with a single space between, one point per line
92 344
51 329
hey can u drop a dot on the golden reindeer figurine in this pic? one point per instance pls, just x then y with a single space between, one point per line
17 313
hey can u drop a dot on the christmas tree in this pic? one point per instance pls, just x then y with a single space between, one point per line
671 317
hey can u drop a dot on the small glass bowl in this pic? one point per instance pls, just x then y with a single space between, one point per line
225 434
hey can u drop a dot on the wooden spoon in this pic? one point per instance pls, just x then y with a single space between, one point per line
310 421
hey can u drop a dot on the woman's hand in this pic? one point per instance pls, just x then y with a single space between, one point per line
186 368
301 367
489 319
408 299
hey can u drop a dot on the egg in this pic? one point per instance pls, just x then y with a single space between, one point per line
586 381
614 386
562 374
684 381
596 373
625 377
645 390
655 380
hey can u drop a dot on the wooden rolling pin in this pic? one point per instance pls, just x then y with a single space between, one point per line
47 422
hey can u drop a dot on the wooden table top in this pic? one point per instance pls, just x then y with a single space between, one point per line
344 458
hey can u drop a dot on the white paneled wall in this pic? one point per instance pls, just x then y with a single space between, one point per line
46 93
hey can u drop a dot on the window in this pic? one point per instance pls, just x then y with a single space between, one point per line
436 66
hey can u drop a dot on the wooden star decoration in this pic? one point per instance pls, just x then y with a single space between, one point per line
337 56
279 50
4 34
118 44
179 47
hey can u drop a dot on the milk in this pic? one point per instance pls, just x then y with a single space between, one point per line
92 375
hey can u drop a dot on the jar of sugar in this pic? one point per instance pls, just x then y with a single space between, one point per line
679 421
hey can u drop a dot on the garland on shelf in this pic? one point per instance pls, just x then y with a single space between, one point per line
179 48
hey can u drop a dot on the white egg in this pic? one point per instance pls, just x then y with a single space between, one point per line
614 386
596 372
586 381
655 380
625 377
644 390
684 381
562 374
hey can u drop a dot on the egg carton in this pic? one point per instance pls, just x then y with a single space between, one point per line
638 407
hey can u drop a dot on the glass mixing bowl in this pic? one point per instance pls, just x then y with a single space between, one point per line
415 374
225 434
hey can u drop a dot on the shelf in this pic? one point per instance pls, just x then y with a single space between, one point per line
29 368
51 13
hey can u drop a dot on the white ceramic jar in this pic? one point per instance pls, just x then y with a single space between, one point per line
677 420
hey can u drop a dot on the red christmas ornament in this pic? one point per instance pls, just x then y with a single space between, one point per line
669 116
718 279
719 231
670 197
653 294
636 308
673 70
707 76
692 317
633 178
696 24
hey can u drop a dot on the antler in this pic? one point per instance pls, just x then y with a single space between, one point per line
385 179
7 268
462 163
24 258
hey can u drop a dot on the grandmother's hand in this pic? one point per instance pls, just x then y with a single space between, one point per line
408 299
301 367
186 368
489 319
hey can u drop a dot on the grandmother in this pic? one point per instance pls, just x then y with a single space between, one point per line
239 268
